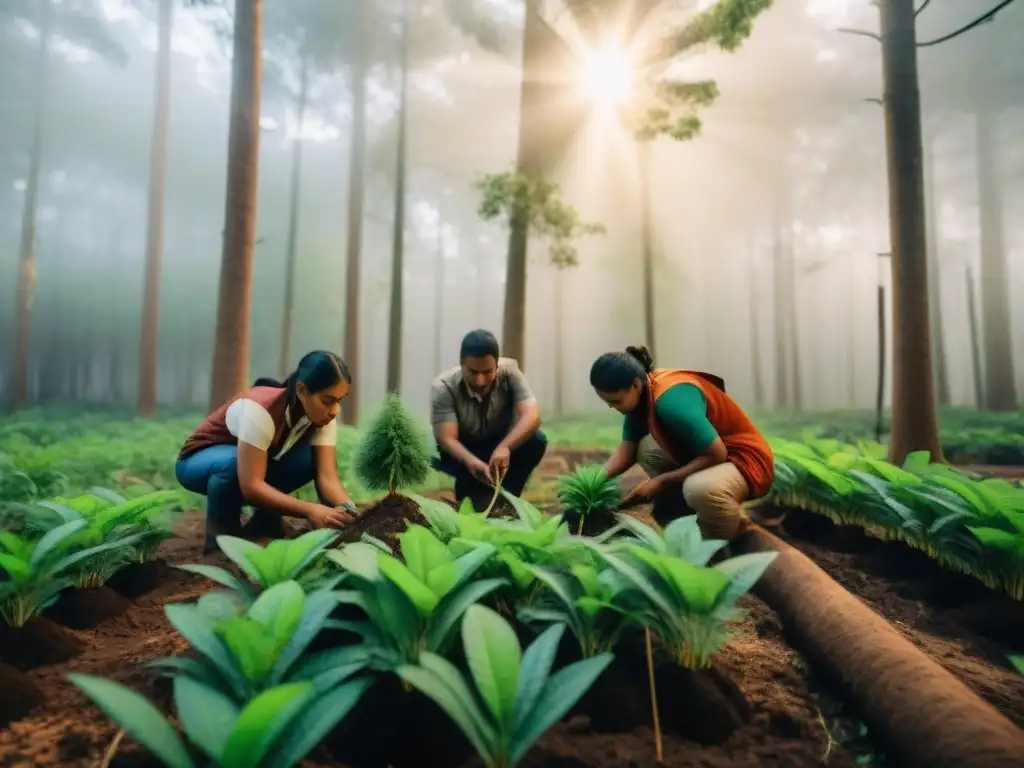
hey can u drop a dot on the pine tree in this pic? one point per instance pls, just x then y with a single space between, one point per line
394 453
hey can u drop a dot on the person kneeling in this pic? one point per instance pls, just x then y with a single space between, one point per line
267 443
486 422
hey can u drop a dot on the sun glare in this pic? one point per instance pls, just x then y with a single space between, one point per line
607 77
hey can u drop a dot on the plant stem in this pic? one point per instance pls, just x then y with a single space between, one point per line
654 695
494 498
579 528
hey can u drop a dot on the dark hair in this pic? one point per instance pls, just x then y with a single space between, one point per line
615 371
317 370
478 343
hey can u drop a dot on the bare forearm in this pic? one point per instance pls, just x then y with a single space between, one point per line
620 461
332 492
266 496
455 449
522 431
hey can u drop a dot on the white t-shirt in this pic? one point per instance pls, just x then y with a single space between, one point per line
251 423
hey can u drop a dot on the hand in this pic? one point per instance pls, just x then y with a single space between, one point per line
480 469
328 517
499 461
647 490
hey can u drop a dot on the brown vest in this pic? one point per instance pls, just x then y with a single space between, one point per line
747 448
214 429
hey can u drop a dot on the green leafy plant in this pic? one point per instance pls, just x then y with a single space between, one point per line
587 491
413 606
281 560
595 604
512 697
39 569
516 197
688 607
276 729
394 452
245 650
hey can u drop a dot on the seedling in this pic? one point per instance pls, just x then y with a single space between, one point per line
413 606
394 452
280 561
587 492
516 698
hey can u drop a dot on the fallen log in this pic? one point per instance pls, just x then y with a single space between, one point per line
923 715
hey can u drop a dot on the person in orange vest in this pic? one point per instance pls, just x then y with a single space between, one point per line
266 443
697 446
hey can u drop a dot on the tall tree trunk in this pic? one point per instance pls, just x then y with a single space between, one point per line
231 345
975 341
549 116
935 276
1000 389
914 422
755 343
284 362
356 192
394 374
796 378
780 316
27 247
149 337
646 240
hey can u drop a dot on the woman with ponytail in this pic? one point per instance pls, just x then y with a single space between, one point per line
267 443
697 446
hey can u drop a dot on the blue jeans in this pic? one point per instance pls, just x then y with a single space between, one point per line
523 461
213 472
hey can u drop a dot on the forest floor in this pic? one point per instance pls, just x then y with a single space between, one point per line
796 720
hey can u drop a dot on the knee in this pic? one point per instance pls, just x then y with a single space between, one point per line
718 509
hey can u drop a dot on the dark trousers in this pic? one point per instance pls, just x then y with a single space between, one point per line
213 472
523 461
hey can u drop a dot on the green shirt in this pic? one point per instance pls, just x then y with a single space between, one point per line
683 412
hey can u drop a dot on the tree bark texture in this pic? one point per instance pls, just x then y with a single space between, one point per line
394 372
646 240
550 115
975 341
356 192
27 246
231 344
284 363
1000 391
149 337
914 421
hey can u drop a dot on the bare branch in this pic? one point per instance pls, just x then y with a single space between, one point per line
923 6
983 19
860 33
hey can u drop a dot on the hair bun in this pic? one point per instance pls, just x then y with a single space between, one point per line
643 356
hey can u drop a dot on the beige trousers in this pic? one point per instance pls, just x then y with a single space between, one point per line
715 494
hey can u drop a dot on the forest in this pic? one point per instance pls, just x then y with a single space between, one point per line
810 199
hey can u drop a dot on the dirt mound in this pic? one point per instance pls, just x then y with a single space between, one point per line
385 520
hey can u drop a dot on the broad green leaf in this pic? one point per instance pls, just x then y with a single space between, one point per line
200 633
313 723
699 587
17 569
452 608
1018 662
493 655
917 461
318 607
534 672
415 590
743 573
207 715
561 691
269 562
51 540
280 610
217 575
251 644
359 558
306 548
441 681
422 551
261 721
139 718
238 551
997 539
220 605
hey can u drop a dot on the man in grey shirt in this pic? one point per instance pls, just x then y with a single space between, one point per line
486 421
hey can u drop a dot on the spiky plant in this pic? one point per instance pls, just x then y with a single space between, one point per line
587 491
394 452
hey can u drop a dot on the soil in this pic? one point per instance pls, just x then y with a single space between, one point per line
20 695
385 520
86 608
139 579
594 524
964 626
783 714
38 643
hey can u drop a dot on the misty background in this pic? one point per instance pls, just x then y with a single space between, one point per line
766 228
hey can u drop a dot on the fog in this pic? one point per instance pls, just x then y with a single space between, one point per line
766 228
